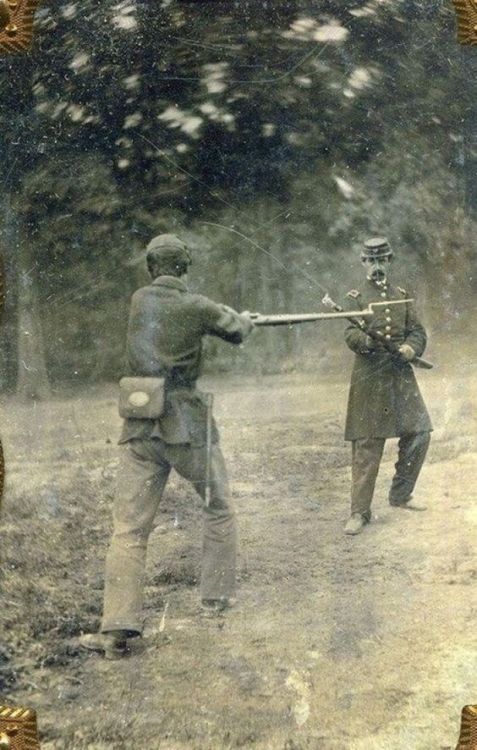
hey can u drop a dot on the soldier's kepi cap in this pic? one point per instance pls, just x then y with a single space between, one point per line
377 248
168 249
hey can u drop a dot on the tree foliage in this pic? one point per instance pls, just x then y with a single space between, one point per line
302 126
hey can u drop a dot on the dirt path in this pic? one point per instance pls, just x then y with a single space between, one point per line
365 643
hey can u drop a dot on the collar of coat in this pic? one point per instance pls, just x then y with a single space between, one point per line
172 282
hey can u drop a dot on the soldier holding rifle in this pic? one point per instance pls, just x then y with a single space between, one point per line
384 399
168 424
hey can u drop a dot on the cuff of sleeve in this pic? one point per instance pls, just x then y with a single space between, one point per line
418 350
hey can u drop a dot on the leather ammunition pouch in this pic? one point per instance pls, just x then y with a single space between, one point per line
141 398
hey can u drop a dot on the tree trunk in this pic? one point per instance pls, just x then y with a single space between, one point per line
469 70
289 286
469 74
8 321
268 354
32 380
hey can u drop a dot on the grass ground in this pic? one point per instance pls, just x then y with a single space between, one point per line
339 643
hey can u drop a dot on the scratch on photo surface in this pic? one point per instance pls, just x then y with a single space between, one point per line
294 267
301 709
29 369
260 81
189 174
9 173
162 625
248 239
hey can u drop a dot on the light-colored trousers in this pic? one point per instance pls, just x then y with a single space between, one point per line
366 457
144 469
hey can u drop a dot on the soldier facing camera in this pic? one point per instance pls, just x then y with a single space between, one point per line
384 398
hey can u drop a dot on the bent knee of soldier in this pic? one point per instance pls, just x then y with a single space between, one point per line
220 521
221 503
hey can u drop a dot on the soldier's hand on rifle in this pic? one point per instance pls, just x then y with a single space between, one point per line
249 317
407 352
370 343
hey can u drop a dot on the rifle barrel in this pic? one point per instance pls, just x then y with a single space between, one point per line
288 320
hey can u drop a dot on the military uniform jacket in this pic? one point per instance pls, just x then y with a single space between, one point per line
164 339
384 398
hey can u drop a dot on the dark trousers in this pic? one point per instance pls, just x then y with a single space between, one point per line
144 469
366 457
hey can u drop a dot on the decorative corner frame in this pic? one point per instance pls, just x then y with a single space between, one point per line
18 729
16 25
468 729
2 459
466 11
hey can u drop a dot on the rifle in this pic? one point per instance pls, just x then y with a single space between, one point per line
288 320
356 319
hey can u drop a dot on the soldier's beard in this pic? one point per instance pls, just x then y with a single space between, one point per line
377 274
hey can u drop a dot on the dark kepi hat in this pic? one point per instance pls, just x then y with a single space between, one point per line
169 249
377 247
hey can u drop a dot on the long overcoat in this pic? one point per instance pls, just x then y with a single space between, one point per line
384 397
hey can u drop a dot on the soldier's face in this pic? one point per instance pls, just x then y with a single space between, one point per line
377 268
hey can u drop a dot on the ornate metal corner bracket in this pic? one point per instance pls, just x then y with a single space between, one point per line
468 729
16 25
466 11
18 729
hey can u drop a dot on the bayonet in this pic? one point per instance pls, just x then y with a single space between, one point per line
292 319
288 320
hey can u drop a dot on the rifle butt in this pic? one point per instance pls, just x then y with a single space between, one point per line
424 364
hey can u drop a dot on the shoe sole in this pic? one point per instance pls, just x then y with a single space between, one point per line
415 508
213 610
112 654
354 532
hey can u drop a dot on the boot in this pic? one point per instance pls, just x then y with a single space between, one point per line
468 729
355 524
113 644
406 504
215 606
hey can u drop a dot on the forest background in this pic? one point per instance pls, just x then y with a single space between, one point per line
273 136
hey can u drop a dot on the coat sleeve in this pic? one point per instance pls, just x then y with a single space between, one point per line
224 322
354 337
415 332
356 340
